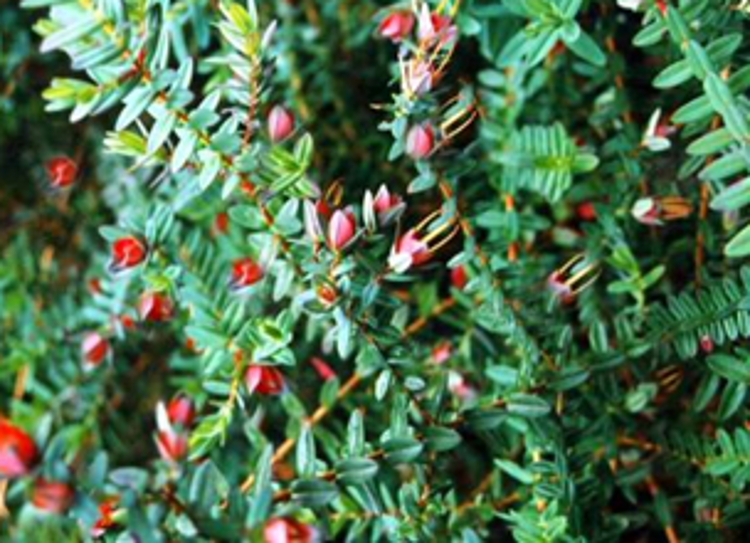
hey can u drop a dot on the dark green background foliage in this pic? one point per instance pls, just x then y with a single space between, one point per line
618 413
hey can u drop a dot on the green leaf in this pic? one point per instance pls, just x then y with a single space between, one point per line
739 246
314 493
520 474
355 471
440 439
528 406
735 196
729 367
305 453
402 450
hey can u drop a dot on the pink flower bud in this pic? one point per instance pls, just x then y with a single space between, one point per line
396 26
432 25
341 229
280 124
172 441
384 201
419 141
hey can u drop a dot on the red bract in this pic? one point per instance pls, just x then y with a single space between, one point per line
18 451
396 26
264 380
341 229
420 141
61 172
280 124
155 307
94 349
127 252
181 411
288 530
324 370
52 496
458 277
106 520
245 272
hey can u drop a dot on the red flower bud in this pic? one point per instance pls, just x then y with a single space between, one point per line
420 141
341 229
289 530
221 223
264 380
171 442
94 349
61 172
127 252
52 496
458 277
322 368
707 344
442 352
245 272
155 307
17 451
433 25
662 5
106 520
586 211
280 124
181 411
396 26
127 322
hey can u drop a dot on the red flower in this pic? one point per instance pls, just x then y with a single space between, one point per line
155 307
289 530
181 411
586 211
52 496
396 26
94 349
17 451
61 172
341 229
324 370
106 520
420 141
245 272
264 380
458 277
280 124
127 252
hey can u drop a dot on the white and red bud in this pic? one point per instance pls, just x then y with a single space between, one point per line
280 124
155 307
171 441
656 210
420 141
313 229
265 380
18 452
289 530
396 26
408 250
432 26
94 349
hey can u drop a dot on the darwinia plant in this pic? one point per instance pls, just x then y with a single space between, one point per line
513 308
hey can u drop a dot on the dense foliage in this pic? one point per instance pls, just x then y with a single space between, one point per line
350 270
